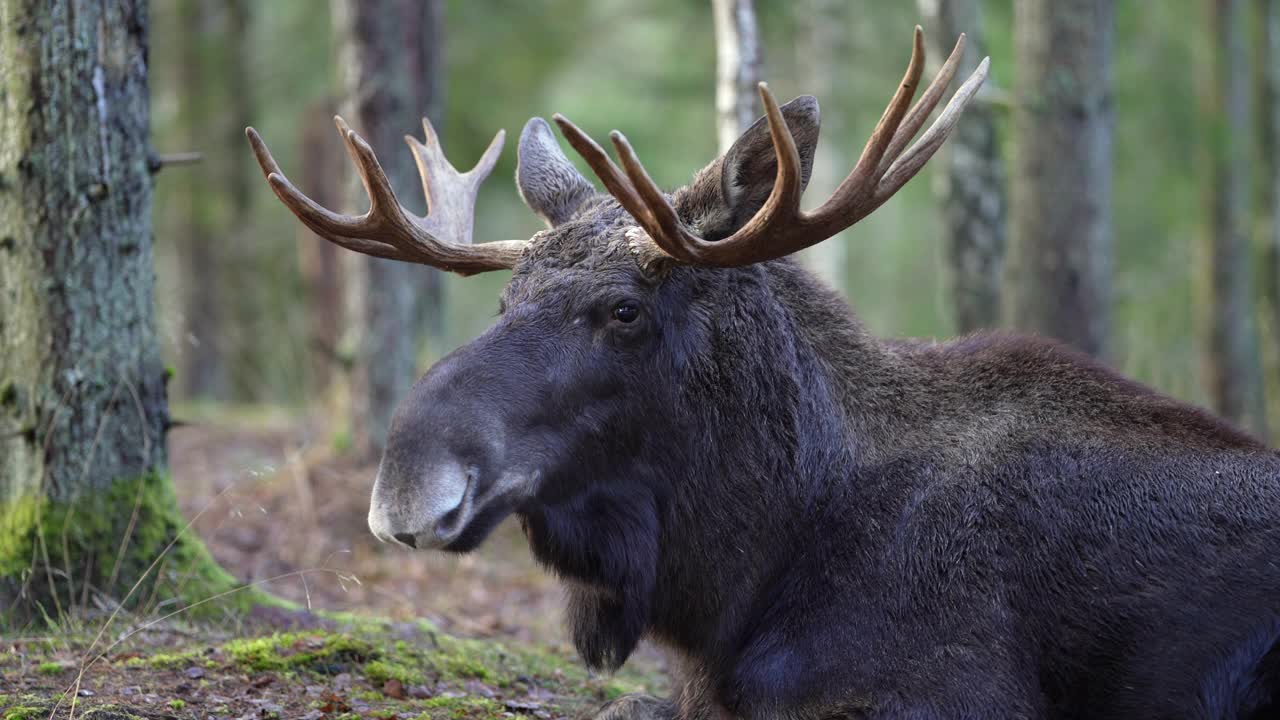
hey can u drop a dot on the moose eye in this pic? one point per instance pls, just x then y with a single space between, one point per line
626 312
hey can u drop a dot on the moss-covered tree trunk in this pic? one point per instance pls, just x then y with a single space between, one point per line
1060 185
84 502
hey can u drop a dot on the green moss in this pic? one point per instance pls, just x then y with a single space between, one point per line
318 652
25 712
50 668
177 704
84 540
463 707
380 671
110 712
171 661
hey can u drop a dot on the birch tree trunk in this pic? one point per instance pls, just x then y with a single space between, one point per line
1229 347
378 48
737 68
1060 210
85 505
822 26
971 182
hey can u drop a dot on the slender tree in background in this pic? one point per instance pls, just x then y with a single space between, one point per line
377 58
85 506
737 68
1060 204
321 162
1229 347
1269 72
239 182
970 181
202 368
822 27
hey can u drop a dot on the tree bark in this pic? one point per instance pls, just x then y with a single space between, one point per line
737 68
1269 72
84 503
202 367
322 162
378 54
245 352
822 26
1229 347
1060 211
970 181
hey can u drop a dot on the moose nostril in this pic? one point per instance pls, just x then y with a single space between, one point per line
407 539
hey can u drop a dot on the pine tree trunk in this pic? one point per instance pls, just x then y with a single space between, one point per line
245 351
322 163
971 182
1060 210
1229 347
737 68
84 502
202 372
376 44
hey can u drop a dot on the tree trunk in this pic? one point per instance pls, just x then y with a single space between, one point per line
426 43
1060 211
84 503
971 182
377 52
1229 348
823 24
1269 70
202 367
322 162
737 68
245 350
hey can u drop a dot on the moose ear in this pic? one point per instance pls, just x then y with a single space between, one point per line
727 193
548 183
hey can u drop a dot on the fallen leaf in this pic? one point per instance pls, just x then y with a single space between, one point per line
394 689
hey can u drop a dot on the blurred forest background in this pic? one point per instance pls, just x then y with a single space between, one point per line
251 308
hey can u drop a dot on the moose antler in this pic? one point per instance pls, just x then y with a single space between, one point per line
780 227
441 238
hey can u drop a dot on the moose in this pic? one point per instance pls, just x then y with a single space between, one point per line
714 454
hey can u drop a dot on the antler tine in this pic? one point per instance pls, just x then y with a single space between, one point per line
321 220
480 171
780 227
387 230
915 158
861 180
383 199
923 107
614 180
660 218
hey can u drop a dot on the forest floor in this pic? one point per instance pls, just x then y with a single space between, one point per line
378 631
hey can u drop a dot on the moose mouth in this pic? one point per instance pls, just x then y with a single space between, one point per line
470 521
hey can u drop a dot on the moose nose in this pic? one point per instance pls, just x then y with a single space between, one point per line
406 538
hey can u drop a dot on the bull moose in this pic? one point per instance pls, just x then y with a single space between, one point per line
711 450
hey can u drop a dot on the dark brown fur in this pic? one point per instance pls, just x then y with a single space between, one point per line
818 523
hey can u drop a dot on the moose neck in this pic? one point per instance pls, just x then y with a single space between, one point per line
803 394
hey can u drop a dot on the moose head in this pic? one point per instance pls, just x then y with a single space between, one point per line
635 331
